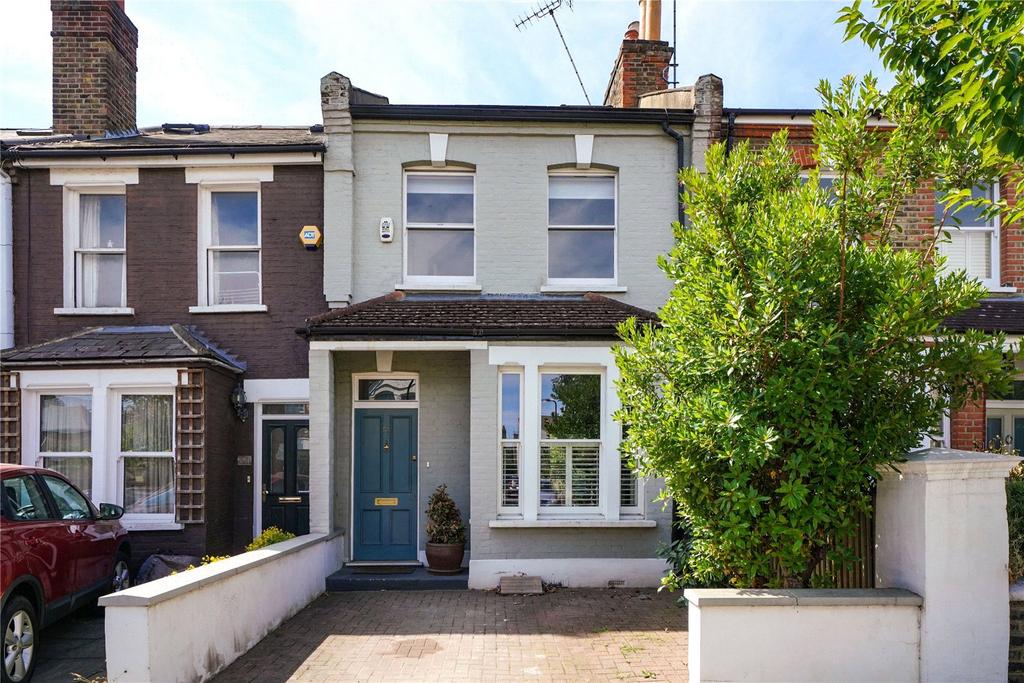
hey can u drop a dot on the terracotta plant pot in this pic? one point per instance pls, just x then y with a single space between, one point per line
445 558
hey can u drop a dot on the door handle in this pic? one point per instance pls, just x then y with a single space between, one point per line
263 494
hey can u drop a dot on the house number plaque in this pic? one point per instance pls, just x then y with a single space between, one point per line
385 501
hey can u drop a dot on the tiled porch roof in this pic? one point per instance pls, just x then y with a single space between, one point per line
494 316
991 315
123 345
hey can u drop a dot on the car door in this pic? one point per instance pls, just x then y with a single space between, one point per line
92 556
35 542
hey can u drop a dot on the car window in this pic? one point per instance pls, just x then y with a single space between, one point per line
70 503
23 499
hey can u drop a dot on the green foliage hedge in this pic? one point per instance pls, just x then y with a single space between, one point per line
1015 517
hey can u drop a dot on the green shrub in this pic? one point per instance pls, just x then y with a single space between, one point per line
444 521
270 536
1015 518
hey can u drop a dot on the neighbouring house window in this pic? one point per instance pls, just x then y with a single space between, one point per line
232 260
147 453
100 251
440 218
581 227
509 440
973 243
387 389
570 446
65 437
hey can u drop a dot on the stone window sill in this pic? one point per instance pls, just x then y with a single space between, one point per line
232 308
95 311
572 524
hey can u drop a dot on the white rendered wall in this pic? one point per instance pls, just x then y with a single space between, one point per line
572 573
941 532
745 636
189 626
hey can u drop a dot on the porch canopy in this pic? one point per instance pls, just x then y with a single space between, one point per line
474 316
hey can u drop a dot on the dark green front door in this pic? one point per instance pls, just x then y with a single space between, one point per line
385 485
286 475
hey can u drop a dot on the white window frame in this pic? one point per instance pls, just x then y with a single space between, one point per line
104 385
72 250
993 283
206 246
440 281
142 519
36 410
569 509
503 442
565 283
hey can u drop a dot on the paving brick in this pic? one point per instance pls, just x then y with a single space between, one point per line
567 635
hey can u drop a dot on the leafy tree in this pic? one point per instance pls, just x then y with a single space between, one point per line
800 352
962 63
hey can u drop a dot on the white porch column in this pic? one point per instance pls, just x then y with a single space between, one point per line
941 532
322 470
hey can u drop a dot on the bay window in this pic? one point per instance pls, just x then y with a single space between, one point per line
581 228
440 221
111 433
973 242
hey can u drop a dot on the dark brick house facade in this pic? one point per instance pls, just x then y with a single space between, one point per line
143 202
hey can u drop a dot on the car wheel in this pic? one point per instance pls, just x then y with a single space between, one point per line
122 574
19 624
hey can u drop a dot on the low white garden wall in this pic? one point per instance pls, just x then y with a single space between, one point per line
189 626
804 635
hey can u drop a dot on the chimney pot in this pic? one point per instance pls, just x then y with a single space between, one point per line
632 31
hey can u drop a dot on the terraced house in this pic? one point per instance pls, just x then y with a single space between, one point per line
477 262
157 280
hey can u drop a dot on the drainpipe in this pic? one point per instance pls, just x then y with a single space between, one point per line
682 158
729 132
6 262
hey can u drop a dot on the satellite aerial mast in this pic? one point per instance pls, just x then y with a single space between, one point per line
547 8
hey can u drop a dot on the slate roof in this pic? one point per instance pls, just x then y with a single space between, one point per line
123 345
176 138
507 316
991 315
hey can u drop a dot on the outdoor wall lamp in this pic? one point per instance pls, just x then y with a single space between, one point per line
238 401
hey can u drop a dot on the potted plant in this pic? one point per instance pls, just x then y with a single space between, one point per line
446 536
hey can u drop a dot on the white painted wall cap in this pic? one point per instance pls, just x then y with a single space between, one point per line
948 463
810 597
158 591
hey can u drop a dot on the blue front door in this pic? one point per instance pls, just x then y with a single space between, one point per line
385 485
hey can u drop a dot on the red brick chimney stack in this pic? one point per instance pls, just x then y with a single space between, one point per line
642 64
94 46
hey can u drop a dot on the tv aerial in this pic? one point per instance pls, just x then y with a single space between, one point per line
547 9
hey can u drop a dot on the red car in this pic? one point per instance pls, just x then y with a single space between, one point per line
57 553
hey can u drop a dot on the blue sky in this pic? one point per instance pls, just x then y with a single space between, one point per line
221 62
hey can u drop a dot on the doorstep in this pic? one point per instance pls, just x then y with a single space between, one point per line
419 579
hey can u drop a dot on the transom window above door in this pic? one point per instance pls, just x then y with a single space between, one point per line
440 220
581 228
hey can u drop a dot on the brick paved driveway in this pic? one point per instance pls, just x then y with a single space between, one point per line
567 635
